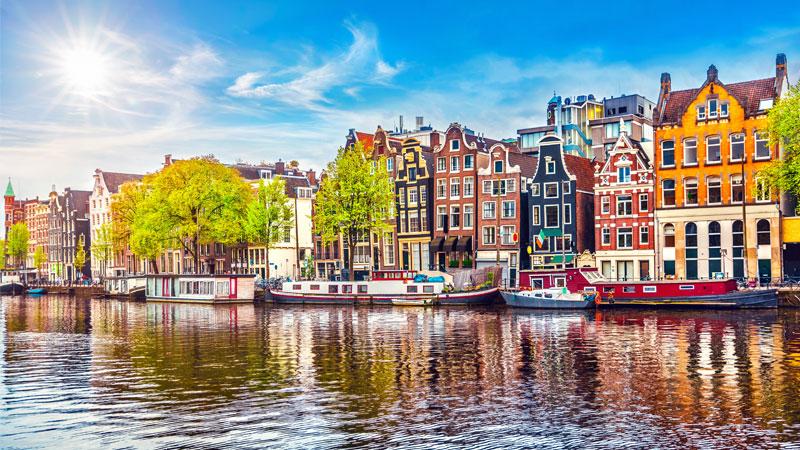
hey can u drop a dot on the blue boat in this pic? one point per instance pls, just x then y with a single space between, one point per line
553 298
36 291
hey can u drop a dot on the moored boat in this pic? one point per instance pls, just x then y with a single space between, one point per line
11 288
553 298
36 291
202 288
723 294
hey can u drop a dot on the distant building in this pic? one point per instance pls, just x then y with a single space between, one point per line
630 113
68 228
568 118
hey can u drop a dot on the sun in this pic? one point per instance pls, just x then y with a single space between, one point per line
83 70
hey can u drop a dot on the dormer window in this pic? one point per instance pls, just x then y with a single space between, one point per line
712 109
498 167
551 167
265 174
454 145
701 112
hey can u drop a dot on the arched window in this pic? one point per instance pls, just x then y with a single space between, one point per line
669 250
691 250
762 232
738 249
714 248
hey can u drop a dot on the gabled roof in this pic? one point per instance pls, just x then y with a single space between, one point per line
527 164
748 93
582 169
116 179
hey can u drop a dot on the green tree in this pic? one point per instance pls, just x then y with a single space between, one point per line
17 243
2 254
268 215
130 226
39 258
784 129
354 199
80 256
102 248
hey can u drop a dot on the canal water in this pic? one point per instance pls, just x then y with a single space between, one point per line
79 373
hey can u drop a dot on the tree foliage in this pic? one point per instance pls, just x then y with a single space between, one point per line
2 254
39 258
784 129
268 215
355 198
102 247
80 255
17 243
188 203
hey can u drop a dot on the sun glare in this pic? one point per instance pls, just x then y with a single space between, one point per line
84 71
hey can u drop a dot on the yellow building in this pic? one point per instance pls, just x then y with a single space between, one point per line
711 143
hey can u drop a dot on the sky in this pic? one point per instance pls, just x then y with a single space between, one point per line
116 85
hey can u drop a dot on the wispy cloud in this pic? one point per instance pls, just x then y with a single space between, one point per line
361 64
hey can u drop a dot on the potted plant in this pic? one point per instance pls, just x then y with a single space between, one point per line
453 263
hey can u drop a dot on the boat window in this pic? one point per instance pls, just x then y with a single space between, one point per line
608 289
411 289
537 283
362 288
560 281
314 287
629 289
590 289
296 287
548 295
347 289
333 289
649 289
687 287
427 289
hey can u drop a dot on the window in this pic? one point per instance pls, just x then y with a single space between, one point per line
536 215
441 164
564 243
468 213
511 185
624 238
624 175
762 145
668 192
423 195
411 289
454 161
499 187
737 147
567 213
413 222
713 154
644 203
401 197
644 235
509 209
441 188
469 183
712 108
489 210
612 129
487 186
737 189
441 217
551 216
413 196
535 189
423 221
507 234
738 249
763 193
551 167
762 232
455 187
488 236
714 248
565 186
412 174
287 235
689 152
624 205
723 109
550 190
403 220
363 288
691 250
390 164
469 162
498 167
714 186
690 189
605 236
388 248
667 153
605 205
701 112
455 216
686 287
669 236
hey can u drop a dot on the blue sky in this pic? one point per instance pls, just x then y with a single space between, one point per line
116 85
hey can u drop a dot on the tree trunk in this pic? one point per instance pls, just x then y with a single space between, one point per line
154 265
266 254
351 256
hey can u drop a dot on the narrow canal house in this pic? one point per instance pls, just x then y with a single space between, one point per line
68 229
503 174
106 184
624 211
414 206
455 178
561 206
713 219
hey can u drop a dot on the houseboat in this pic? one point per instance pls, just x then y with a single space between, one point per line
552 298
647 293
10 283
213 288
125 288
390 287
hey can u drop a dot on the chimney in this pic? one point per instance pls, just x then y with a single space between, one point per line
280 166
167 160
312 177
666 88
401 123
666 83
780 70
419 123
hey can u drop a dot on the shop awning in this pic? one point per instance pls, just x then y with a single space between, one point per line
436 244
557 259
464 244
450 244
550 232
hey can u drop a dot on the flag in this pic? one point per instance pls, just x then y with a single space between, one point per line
540 238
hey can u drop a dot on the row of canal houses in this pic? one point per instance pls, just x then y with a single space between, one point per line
638 189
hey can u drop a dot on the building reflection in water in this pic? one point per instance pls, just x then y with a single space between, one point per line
164 373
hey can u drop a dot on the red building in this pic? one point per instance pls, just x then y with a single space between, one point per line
624 212
502 179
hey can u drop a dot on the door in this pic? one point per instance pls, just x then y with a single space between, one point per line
441 261
234 288
624 270
644 270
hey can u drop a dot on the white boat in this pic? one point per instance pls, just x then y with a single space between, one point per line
212 288
552 298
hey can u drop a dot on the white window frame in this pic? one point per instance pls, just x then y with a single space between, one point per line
558 218
535 189
644 232
662 153
708 189
536 213
452 208
724 109
503 212
484 212
644 196
457 167
469 181
441 193
759 193
455 182
567 214
712 111
701 112
439 209
620 202
730 147
686 145
547 167
441 164
493 235
550 184
486 186
566 187
619 235
605 205
506 233
605 236
756 140
471 164
455 145
686 191
719 146
465 214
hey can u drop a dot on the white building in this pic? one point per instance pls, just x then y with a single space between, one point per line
105 185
